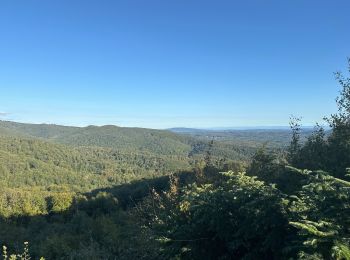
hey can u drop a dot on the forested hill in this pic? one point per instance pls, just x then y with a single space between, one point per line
237 146
140 139
32 162
85 158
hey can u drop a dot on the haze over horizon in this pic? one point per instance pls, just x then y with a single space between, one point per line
162 65
181 128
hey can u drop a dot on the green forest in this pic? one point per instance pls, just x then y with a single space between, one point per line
132 193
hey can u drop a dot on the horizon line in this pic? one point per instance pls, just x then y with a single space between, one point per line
213 128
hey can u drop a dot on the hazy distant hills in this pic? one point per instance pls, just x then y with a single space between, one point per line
278 137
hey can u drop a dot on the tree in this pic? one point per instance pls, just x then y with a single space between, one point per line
264 165
239 217
295 146
339 140
313 154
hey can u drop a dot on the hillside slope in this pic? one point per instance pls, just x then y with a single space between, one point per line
136 140
30 162
131 139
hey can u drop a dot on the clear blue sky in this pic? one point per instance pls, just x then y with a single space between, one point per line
170 63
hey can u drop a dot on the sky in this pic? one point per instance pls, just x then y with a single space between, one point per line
171 63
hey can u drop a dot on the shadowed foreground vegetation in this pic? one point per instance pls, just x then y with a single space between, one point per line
206 216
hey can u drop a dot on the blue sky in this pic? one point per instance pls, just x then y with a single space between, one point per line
172 63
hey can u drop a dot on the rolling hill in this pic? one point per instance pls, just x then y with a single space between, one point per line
84 158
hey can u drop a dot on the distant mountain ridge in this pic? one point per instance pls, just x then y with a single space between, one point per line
141 139
86 157
237 128
176 144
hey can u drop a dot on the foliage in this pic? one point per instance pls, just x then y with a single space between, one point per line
294 148
320 210
24 256
238 218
